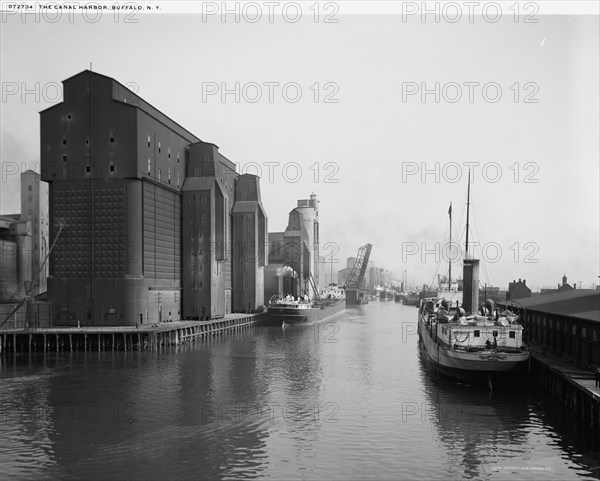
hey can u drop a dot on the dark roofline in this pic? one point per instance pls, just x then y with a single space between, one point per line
126 103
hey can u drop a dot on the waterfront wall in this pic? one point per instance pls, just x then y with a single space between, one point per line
102 338
579 406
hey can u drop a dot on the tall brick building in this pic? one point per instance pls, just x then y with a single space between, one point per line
137 195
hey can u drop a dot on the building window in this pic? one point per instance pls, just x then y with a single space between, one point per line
88 169
68 116
64 158
29 188
148 141
178 158
159 175
177 178
87 141
64 140
495 333
149 168
476 333
511 334
583 332
169 152
111 140
169 175
111 168
159 147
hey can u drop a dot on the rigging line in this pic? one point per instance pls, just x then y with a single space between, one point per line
446 230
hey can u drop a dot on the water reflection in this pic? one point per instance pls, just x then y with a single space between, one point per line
494 434
349 400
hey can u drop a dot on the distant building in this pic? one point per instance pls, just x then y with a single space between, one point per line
565 286
492 293
518 290
294 254
148 211
560 287
34 208
344 273
15 257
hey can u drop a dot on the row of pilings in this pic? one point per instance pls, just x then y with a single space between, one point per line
119 338
579 406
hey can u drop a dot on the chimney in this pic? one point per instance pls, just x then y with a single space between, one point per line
574 285
471 285
519 279
524 283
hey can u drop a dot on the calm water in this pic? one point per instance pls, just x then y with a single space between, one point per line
344 400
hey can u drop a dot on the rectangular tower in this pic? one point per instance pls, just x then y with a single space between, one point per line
115 166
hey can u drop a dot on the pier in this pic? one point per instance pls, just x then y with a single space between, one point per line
570 385
121 338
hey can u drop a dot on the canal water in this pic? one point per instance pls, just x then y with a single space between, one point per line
349 399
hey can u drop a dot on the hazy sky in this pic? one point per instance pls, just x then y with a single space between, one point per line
347 121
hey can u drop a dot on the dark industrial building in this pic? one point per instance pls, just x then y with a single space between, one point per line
146 209
567 322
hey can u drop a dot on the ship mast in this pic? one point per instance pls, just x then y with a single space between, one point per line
450 256
468 203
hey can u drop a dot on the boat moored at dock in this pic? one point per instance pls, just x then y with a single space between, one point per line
483 349
286 311
461 340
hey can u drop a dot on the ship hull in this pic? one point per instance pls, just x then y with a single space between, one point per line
319 313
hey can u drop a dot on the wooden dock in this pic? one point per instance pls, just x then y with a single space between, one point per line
573 386
121 338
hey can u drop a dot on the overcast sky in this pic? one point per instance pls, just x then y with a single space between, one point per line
347 121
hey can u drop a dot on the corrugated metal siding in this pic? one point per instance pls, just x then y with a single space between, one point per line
162 227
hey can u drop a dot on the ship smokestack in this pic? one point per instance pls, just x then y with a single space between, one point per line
471 286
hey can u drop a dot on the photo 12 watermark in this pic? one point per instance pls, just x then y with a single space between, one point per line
470 12
470 92
453 172
253 92
19 91
291 412
72 413
490 252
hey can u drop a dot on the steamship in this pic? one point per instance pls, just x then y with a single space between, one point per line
287 310
478 346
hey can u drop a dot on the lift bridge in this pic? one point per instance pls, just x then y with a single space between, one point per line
353 285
